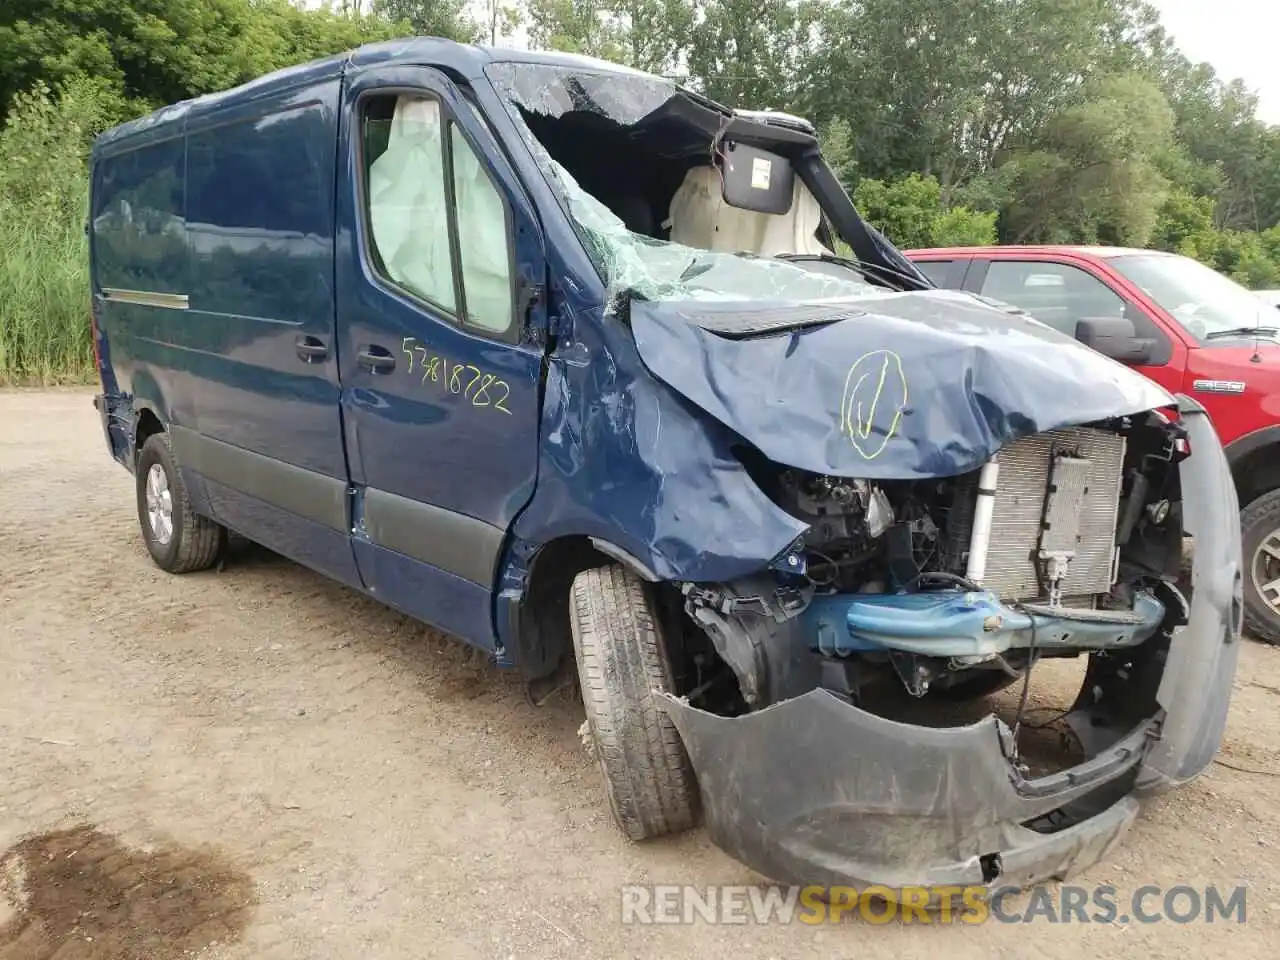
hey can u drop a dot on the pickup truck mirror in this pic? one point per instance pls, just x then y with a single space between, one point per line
1114 337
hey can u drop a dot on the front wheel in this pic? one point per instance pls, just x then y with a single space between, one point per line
178 539
623 666
1260 543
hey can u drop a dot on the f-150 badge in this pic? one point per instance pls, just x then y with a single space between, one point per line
1218 386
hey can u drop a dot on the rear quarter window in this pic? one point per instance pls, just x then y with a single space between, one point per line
136 219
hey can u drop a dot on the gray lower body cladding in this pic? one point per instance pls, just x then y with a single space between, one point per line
815 790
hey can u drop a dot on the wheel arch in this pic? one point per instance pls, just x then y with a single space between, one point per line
533 596
1255 463
146 424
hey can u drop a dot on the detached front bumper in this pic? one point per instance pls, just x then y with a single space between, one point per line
816 791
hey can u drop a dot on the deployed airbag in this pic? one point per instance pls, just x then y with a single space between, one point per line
407 206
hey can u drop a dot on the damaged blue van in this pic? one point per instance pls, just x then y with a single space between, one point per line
613 382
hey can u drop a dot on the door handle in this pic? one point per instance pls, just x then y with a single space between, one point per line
376 359
311 349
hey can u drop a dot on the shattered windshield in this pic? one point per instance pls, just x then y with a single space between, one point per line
635 260
661 270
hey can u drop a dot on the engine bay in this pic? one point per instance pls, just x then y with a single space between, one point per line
1076 550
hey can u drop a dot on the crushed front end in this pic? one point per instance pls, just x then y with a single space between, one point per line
1113 540
844 487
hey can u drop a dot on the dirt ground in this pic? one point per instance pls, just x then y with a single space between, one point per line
258 763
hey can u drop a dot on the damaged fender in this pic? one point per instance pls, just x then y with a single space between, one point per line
626 461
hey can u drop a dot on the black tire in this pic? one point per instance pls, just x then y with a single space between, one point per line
622 661
195 541
1258 521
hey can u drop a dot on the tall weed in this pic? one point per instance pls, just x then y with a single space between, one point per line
44 270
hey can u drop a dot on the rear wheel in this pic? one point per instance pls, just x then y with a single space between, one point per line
623 665
179 540
1260 542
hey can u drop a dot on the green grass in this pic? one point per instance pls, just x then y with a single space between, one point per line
44 300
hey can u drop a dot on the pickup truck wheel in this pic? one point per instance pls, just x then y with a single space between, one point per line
1260 539
179 540
622 664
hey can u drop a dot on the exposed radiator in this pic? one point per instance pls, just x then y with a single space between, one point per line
1014 569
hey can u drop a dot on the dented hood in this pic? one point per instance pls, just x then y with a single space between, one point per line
893 386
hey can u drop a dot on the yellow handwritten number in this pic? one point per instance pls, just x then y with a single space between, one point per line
451 377
475 371
502 404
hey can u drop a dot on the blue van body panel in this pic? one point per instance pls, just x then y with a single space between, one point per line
260 228
450 431
626 461
371 478
427 593
168 121
246 238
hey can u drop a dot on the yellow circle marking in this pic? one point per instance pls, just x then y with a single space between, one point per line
875 381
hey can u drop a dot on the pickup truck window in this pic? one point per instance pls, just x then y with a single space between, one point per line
411 148
1054 293
1201 299
936 270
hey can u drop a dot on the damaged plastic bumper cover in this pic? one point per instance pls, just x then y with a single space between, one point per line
815 790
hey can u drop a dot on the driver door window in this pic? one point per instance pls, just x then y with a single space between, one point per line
437 223
1054 293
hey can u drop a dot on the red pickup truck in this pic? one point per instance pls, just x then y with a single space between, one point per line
1185 326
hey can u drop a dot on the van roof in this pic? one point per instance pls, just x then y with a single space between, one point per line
464 59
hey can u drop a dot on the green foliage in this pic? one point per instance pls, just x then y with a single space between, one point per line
645 34
749 53
962 227
1184 224
435 18
160 51
840 150
903 210
944 88
1091 175
44 189
909 213
139 54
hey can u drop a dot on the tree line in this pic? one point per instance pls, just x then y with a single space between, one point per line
969 121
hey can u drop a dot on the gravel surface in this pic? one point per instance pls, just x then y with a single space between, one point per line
259 763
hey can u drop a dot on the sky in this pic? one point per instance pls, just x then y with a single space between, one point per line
1240 38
